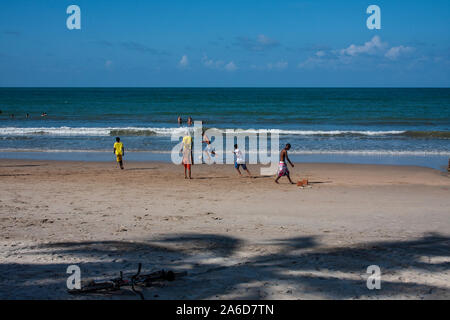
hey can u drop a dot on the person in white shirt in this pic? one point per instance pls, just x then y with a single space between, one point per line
240 161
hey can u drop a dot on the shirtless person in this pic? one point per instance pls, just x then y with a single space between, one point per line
283 169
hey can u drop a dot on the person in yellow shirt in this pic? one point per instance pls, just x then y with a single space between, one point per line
119 151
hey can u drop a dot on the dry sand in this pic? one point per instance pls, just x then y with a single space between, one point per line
238 238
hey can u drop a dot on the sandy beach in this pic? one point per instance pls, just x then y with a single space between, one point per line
238 238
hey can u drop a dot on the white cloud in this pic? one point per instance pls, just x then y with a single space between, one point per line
210 63
394 52
320 53
335 58
230 66
218 64
370 47
184 62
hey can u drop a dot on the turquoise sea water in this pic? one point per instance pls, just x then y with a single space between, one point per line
382 125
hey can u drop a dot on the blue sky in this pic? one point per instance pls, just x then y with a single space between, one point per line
225 43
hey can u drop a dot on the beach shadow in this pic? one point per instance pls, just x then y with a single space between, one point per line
217 245
216 267
264 177
99 248
319 182
297 243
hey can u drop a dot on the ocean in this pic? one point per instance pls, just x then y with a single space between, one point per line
353 125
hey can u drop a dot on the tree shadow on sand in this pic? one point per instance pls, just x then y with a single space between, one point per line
219 266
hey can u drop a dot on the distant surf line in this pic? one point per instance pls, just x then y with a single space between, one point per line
142 131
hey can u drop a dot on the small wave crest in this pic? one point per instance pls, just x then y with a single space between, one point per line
83 131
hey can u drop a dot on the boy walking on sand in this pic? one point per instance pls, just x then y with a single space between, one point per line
240 161
283 169
119 151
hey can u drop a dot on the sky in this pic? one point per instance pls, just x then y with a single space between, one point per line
246 43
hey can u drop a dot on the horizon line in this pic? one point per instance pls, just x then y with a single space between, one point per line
222 87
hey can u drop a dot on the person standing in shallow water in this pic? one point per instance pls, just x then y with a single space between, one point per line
180 121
